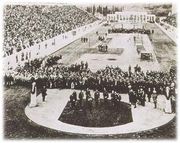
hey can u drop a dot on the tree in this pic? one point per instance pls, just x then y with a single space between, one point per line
88 9
105 11
167 6
99 9
94 9
116 9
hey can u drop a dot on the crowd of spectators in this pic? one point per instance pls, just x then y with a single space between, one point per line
110 80
171 20
80 76
26 25
124 30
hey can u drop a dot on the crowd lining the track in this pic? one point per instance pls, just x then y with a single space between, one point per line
26 25
137 83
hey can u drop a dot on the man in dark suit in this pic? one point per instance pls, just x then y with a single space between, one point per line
106 96
75 95
149 93
96 97
142 96
44 93
88 94
72 101
81 96
132 98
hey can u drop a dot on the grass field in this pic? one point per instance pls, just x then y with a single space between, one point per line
100 116
165 49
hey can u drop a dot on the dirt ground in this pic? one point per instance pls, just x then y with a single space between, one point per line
164 48
128 56
76 49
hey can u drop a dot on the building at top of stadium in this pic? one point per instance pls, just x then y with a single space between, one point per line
131 17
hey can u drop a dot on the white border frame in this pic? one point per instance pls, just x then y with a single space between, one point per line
3 2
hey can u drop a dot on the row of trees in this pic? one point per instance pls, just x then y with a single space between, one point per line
104 10
37 63
158 10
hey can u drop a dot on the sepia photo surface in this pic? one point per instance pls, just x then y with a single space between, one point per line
90 71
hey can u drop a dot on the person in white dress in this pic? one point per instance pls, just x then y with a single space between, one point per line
33 102
154 97
168 101
72 85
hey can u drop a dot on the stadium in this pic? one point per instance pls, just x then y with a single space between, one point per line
97 71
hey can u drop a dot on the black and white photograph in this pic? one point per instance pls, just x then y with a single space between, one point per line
89 70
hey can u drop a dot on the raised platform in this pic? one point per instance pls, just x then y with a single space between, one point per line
47 115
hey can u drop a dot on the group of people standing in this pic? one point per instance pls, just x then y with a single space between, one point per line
141 96
87 99
133 30
84 39
34 92
80 77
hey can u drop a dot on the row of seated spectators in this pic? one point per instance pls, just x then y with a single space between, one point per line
171 20
123 30
26 25
79 76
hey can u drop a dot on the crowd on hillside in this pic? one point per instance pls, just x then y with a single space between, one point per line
26 25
